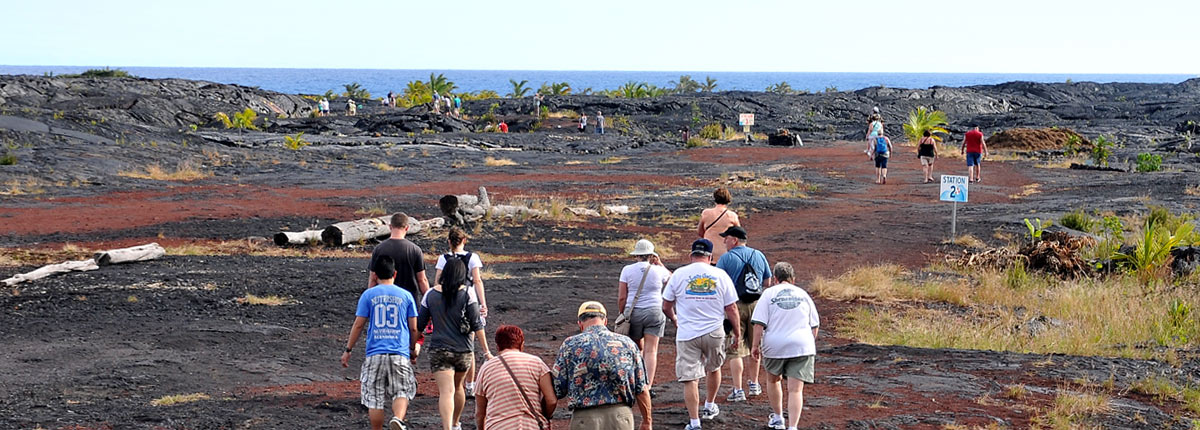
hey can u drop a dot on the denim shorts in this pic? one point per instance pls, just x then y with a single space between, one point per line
973 158
881 162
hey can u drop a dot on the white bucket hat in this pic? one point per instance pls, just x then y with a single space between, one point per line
643 247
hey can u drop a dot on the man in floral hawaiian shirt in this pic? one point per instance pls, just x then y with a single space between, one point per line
601 375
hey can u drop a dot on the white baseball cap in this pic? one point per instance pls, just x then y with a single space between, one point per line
643 247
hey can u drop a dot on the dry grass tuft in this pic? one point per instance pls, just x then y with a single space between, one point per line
244 247
968 241
1063 163
576 162
888 283
183 172
179 399
612 160
385 167
1027 191
271 300
1074 410
498 162
1016 392
1192 190
17 187
766 187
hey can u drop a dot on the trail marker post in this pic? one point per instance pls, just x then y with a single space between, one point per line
746 120
954 189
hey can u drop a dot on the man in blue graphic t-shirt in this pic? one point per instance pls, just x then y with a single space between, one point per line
389 314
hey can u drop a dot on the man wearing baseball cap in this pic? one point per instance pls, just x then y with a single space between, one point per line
751 274
700 298
601 375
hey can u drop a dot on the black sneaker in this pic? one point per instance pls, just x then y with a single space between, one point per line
397 424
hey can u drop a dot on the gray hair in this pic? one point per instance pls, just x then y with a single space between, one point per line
784 272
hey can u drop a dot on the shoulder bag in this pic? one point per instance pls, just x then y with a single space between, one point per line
622 325
529 405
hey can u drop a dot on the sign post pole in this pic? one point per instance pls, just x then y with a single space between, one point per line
954 222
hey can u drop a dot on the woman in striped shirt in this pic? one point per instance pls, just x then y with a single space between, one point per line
507 401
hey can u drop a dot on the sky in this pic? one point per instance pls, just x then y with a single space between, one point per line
953 36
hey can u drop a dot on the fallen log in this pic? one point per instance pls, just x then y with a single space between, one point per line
348 232
298 237
151 251
44 271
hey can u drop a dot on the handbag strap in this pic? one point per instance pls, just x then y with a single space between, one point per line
629 309
722 215
529 405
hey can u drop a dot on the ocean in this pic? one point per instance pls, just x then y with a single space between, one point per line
379 81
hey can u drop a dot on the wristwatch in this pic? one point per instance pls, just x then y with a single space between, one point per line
348 349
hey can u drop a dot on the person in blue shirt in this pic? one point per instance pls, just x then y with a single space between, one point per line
732 262
389 314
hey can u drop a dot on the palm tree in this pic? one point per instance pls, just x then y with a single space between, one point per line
709 84
781 88
560 89
685 84
440 84
356 91
519 89
921 120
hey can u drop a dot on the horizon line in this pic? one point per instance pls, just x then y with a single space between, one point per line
598 70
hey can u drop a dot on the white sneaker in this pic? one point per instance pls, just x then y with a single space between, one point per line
753 389
775 422
396 424
691 427
737 395
710 413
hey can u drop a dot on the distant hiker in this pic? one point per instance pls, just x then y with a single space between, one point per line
975 149
874 126
601 375
700 298
880 149
457 239
449 105
639 300
717 219
599 123
391 99
437 102
751 274
537 104
927 152
685 133
457 105
785 333
448 306
409 262
503 127
351 107
583 122
322 107
516 390
390 316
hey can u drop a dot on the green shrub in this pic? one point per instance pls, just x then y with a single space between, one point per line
696 142
1147 162
711 131
1079 220
490 115
223 119
781 88
1178 327
1102 150
1162 217
245 119
1036 229
1151 255
544 112
1074 144
102 73
1016 276
8 160
295 142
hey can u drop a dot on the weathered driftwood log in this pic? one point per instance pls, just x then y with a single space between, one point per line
348 232
297 237
44 271
464 208
145 252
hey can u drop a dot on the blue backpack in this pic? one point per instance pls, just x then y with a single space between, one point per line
881 146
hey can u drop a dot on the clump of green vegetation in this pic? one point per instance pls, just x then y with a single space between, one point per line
490 115
555 89
102 73
1147 162
921 120
223 119
711 131
519 89
295 142
781 88
8 159
355 91
696 142
245 119
1079 220
1150 259
1102 150
1074 144
1036 228
178 399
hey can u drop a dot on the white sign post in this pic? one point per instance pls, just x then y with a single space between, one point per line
746 120
954 189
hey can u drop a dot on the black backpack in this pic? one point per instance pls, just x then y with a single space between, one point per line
748 284
466 260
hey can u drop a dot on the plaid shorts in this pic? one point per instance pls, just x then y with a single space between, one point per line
386 377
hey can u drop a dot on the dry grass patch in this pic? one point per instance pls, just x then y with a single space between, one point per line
576 162
968 241
612 160
1063 163
183 172
271 300
1074 411
179 399
1192 190
1016 392
41 257
488 274
498 162
766 187
245 247
385 167
1027 191
1079 317
17 187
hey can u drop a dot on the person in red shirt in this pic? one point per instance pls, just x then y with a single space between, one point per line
975 149
503 127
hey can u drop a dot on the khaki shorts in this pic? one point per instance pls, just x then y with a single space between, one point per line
700 356
799 368
742 349
926 161
603 417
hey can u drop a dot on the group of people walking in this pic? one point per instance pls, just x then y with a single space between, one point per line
728 304
879 149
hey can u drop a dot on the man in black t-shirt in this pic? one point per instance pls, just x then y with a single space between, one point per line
410 263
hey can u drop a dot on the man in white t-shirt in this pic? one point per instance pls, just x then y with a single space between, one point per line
700 297
785 332
643 281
